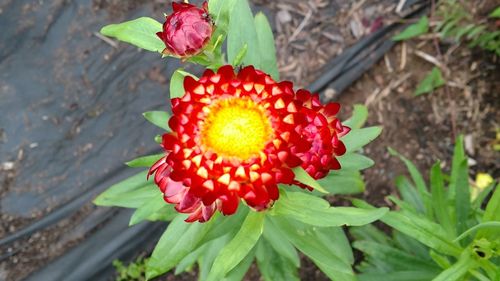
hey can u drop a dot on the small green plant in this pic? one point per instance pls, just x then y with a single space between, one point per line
459 24
135 271
440 234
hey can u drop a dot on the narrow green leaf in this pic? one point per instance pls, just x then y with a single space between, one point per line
220 11
158 118
462 198
369 233
397 259
239 271
458 158
418 180
212 251
177 83
495 13
241 54
357 138
150 207
266 44
144 161
175 244
114 195
425 231
343 182
282 246
358 118
483 225
272 265
414 30
354 161
432 81
302 176
409 194
316 211
439 203
491 214
458 270
242 31
140 32
238 248
304 237
188 262
407 275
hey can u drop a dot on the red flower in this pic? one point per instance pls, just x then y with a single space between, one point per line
187 30
322 131
237 136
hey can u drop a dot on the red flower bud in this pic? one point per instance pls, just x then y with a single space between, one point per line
187 30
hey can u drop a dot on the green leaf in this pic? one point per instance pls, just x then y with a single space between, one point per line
358 118
129 193
418 180
354 161
282 246
140 32
432 81
305 238
316 211
266 45
343 182
188 262
369 233
220 11
462 198
241 54
144 161
213 249
491 214
175 244
242 31
397 259
407 275
272 265
409 194
458 270
302 176
357 138
484 225
158 118
239 271
458 158
177 83
495 13
148 210
439 203
414 30
425 231
238 248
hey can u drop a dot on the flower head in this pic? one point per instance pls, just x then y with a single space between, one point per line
187 30
237 136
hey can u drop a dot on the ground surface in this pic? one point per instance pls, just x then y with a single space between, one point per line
308 34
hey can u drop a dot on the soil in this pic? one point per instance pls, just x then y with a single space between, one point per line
308 34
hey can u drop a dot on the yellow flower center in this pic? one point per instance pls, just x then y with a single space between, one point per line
236 127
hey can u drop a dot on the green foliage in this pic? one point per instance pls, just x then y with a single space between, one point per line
158 118
140 32
432 81
413 30
446 236
134 271
457 23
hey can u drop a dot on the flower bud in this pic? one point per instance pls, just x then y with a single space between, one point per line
187 30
